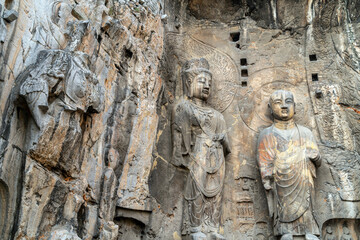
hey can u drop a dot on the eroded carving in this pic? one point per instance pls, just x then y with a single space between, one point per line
200 144
288 156
64 78
245 200
341 229
329 233
346 234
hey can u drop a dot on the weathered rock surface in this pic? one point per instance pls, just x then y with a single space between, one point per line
87 88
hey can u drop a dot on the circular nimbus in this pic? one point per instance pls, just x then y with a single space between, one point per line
254 104
223 68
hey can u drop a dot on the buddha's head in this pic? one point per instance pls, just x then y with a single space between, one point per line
196 78
282 105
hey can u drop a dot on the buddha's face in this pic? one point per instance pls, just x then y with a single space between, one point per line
200 86
282 105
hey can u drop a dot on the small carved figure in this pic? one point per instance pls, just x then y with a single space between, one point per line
346 234
200 144
288 156
329 234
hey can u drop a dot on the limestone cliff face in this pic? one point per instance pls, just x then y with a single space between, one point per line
87 89
79 89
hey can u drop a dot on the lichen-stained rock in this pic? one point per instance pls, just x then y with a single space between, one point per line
133 189
109 197
43 195
110 231
79 78
63 234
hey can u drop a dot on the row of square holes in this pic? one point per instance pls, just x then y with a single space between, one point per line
314 76
235 36
244 72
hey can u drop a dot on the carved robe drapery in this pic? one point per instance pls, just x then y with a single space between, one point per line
201 147
289 157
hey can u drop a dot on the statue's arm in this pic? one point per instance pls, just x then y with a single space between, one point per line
225 143
265 158
179 147
312 151
222 135
177 151
316 160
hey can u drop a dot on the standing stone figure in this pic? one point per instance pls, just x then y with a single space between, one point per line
329 234
288 156
200 144
346 234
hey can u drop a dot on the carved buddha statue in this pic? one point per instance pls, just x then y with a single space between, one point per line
329 233
287 157
346 234
200 144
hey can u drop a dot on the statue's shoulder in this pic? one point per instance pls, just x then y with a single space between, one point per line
181 110
266 131
181 105
217 113
304 130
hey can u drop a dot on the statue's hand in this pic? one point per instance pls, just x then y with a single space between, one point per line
267 184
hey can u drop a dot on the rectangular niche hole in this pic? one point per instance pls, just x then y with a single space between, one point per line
235 36
243 62
312 57
238 46
315 77
244 83
244 73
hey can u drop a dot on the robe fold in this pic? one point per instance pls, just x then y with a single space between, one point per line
288 158
202 150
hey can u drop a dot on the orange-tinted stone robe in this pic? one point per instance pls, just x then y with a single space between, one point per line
289 158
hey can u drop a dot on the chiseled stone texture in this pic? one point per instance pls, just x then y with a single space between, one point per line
87 88
79 87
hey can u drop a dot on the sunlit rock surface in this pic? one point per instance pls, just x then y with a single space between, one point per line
87 90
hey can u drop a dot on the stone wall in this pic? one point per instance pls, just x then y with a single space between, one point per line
88 87
79 83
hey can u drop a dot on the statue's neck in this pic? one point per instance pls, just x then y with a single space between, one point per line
284 125
198 102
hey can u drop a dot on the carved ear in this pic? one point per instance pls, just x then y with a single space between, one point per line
270 109
189 89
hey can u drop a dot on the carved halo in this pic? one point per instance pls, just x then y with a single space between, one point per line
253 104
223 68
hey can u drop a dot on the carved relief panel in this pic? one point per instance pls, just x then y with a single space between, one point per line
249 63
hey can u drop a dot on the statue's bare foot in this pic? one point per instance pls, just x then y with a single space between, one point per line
309 236
287 236
198 236
217 236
